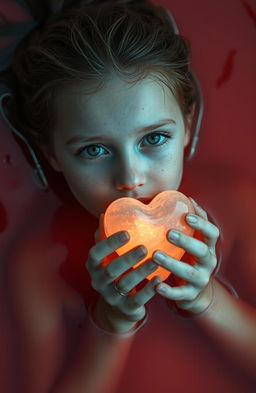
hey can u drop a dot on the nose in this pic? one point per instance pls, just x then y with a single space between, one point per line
129 174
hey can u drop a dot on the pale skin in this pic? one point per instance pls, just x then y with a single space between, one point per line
195 296
132 163
118 160
131 169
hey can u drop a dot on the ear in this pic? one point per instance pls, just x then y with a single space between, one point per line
188 125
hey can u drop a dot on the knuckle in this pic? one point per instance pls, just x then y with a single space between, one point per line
204 280
136 302
214 262
192 296
108 272
135 317
95 286
192 274
181 297
185 305
123 286
128 260
111 300
216 232
92 255
204 251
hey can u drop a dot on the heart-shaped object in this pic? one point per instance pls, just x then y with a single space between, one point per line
149 224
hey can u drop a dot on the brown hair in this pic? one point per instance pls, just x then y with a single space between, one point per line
86 44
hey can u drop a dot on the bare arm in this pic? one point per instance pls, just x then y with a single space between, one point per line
97 365
232 323
41 363
228 320
40 358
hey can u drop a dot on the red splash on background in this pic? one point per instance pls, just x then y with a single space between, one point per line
227 69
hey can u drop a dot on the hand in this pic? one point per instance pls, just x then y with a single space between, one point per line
120 313
196 294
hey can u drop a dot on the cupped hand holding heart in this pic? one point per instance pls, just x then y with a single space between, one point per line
148 225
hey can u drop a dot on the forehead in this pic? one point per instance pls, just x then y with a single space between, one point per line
117 104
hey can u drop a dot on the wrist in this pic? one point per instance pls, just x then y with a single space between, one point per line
111 319
205 302
197 306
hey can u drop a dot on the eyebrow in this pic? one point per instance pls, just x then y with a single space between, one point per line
149 127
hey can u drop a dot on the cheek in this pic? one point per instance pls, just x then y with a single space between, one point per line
170 164
169 174
86 188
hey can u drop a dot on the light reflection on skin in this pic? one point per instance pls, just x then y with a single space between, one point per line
122 162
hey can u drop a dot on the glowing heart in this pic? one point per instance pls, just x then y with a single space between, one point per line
149 224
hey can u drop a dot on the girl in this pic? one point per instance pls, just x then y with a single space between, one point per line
104 90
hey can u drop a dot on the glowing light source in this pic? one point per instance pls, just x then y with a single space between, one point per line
149 224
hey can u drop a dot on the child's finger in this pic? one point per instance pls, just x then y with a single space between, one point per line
181 269
120 264
186 292
136 276
209 231
145 294
104 248
193 246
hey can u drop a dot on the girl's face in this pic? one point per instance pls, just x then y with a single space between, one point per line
125 140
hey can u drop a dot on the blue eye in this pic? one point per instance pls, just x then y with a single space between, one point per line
92 151
157 139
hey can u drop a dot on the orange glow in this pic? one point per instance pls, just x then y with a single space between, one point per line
149 224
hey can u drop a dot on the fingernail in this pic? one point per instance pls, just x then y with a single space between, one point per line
192 218
161 288
158 257
140 252
156 280
174 235
123 237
